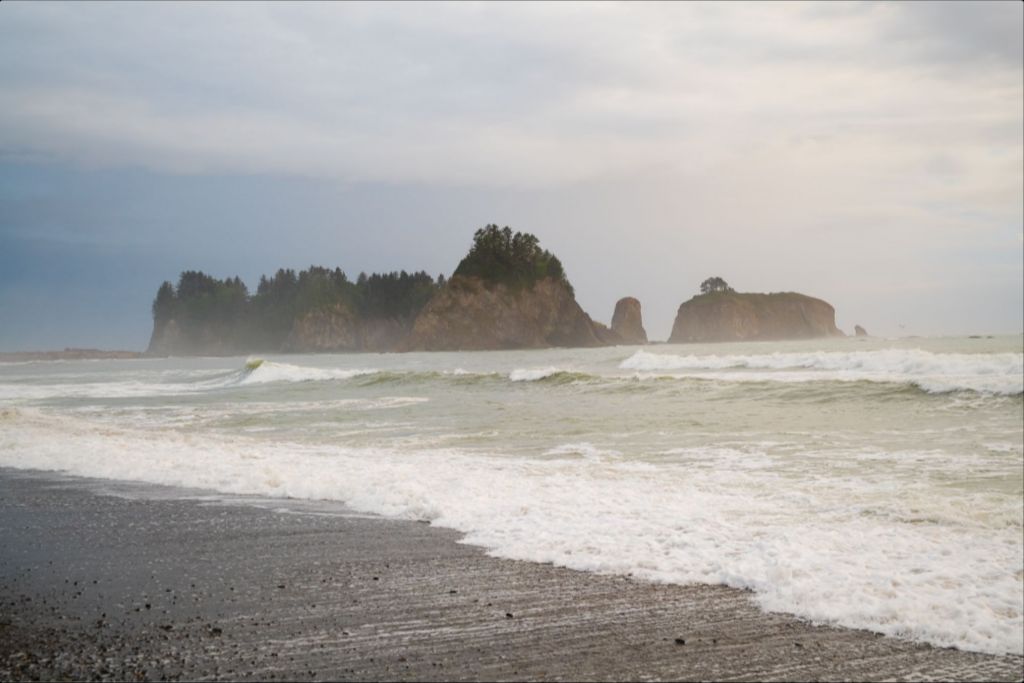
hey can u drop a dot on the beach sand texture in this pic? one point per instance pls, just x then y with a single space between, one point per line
117 581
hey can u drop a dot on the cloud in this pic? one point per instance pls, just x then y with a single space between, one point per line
495 94
868 153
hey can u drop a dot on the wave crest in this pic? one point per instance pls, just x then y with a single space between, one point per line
264 372
997 373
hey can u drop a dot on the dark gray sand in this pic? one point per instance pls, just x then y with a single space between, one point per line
107 581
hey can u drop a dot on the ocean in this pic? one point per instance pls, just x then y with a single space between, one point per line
868 483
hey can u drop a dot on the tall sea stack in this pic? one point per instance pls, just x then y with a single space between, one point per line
627 321
507 293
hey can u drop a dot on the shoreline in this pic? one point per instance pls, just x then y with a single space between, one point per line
137 582
70 354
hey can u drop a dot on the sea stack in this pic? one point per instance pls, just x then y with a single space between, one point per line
627 321
859 331
725 315
507 293
472 314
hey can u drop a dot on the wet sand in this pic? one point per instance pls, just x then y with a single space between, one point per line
130 582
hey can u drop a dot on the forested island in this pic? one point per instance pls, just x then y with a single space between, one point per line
205 315
507 292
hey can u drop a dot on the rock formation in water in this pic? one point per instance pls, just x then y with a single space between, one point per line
627 321
472 314
859 331
171 338
732 316
606 335
315 310
506 293
340 329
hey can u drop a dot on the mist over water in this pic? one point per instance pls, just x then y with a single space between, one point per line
868 483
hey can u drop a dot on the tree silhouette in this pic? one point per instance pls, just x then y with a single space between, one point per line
165 303
205 307
714 284
511 258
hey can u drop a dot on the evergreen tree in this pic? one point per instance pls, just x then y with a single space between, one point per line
164 303
714 284
514 259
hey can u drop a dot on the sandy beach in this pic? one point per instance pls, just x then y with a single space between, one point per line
120 581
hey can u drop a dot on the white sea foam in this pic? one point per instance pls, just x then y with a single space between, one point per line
835 547
269 371
531 374
996 373
142 384
584 449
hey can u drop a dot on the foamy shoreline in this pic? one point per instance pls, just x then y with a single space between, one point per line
235 590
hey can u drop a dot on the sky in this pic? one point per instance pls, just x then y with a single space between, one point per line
870 154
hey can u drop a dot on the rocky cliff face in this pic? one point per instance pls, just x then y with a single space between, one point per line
467 314
339 329
332 329
328 330
471 315
169 339
731 316
627 321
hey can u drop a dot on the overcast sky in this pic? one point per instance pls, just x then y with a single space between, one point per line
867 154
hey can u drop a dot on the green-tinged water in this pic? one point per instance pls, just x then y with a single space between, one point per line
866 482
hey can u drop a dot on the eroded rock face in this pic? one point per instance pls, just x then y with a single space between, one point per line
338 329
168 339
627 321
732 316
331 329
606 335
165 339
859 331
471 315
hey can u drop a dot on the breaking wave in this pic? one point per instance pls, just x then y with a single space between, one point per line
705 514
1000 373
269 371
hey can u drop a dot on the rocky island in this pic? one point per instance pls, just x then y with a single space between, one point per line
721 314
627 321
506 293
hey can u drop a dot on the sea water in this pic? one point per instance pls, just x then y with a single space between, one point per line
866 483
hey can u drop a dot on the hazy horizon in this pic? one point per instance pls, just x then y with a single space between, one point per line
867 154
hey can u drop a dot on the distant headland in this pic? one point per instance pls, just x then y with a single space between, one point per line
67 354
506 293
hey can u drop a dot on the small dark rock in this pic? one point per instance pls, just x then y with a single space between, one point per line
680 641
508 615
